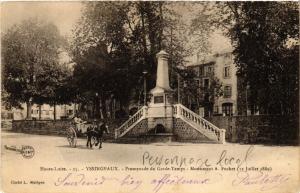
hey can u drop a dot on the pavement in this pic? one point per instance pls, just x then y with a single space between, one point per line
53 151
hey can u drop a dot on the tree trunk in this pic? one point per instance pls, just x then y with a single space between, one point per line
97 108
54 111
103 107
93 109
144 35
29 108
40 112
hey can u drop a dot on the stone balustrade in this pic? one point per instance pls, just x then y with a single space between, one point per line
210 130
131 122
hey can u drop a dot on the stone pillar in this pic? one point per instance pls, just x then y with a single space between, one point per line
162 79
160 109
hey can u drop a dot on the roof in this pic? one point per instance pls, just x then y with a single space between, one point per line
210 58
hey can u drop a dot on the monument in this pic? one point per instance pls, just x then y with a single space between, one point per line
160 109
161 120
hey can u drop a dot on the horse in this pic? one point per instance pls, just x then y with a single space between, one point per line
95 133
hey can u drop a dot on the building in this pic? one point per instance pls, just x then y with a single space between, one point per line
45 112
218 67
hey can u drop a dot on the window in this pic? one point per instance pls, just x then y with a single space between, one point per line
198 82
216 109
227 109
209 70
206 83
70 112
200 70
226 72
47 112
227 91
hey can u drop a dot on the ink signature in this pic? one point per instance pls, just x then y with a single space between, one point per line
266 181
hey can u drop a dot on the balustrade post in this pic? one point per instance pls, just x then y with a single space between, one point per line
145 111
222 136
116 134
175 110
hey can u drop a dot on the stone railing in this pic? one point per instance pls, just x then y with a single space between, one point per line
205 127
131 122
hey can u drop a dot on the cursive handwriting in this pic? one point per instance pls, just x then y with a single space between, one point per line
79 179
265 181
225 160
128 181
176 160
168 179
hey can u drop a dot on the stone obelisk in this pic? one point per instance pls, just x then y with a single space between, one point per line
160 109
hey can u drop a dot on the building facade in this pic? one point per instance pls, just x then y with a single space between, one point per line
219 67
45 112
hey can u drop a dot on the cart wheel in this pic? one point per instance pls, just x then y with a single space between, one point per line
71 137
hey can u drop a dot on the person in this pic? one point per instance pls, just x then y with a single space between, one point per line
89 134
100 129
76 122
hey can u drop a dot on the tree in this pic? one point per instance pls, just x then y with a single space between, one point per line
131 33
30 58
196 95
264 36
264 57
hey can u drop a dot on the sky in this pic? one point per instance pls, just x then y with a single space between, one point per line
65 14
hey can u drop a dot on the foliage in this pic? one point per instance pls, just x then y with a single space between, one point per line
264 36
195 95
30 53
130 34
264 57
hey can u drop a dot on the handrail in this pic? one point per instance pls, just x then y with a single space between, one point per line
183 112
126 126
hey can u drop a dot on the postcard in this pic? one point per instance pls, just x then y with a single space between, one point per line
149 96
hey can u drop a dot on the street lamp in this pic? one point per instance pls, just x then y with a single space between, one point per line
247 88
96 106
145 88
178 88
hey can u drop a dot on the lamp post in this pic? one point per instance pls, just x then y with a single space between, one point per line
96 106
178 88
247 88
145 88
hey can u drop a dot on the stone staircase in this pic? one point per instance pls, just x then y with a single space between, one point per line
198 123
131 122
187 125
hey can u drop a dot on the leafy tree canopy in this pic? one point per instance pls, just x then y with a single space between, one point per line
30 55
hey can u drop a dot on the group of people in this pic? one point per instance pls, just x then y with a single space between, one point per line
95 131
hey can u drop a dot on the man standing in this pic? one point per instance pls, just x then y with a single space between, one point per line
100 129
89 134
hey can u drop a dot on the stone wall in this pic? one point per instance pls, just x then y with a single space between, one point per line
185 133
58 127
264 129
41 127
6 124
139 129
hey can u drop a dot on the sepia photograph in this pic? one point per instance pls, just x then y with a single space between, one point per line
150 97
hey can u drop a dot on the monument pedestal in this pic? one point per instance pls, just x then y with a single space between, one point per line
160 109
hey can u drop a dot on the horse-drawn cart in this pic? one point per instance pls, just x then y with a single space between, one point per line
81 129
72 136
